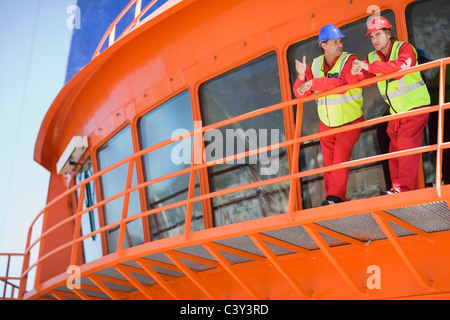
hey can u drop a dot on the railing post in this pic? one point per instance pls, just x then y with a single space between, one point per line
126 202
112 36
138 9
440 133
197 158
77 229
6 276
26 261
294 165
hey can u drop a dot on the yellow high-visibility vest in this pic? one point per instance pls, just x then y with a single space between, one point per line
406 93
337 109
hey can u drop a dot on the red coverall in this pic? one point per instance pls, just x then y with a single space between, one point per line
335 148
405 133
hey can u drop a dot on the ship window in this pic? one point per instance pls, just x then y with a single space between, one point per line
247 88
429 28
113 182
92 248
363 181
173 118
429 31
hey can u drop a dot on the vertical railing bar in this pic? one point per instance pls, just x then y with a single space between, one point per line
190 204
294 165
77 229
37 279
113 25
137 18
126 202
96 180
6 275
26 262
112 36
440 132
137 10
197 152
14 288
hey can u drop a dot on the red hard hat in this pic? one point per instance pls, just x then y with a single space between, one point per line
377 23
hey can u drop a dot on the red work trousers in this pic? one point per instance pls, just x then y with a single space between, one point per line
337 148
405 133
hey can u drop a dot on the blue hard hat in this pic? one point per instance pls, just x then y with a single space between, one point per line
330 32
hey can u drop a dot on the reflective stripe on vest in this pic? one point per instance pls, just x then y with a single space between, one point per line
337 109
408 92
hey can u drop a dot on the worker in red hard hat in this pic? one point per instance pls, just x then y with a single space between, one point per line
401 94
378 23
326 72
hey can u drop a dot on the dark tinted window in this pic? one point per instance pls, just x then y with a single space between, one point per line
172 118
115 149
249 87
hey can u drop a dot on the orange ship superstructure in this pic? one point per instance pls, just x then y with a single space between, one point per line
182 167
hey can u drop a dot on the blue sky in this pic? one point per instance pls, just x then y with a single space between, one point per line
34 49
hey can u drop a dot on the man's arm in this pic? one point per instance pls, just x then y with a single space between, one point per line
357 73
322 84
406 59
300 87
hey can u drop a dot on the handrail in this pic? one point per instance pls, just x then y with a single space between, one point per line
7 278
440 135
111 31
112 27
192 170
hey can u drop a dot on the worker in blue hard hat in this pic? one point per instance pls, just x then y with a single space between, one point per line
326 72
329 32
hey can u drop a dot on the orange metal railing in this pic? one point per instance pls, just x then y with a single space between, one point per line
292 144
110 34
9 284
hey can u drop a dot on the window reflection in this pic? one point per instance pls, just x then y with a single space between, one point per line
250 87
113 182
364 181
159 125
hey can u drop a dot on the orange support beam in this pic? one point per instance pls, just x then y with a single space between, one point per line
214 251
158 278
384 225
98 282
135 282
192 276
282 270
327 252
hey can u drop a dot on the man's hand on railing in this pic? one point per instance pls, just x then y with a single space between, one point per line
306 86
357 66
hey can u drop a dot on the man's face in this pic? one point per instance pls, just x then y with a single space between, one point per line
333 47
380 39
